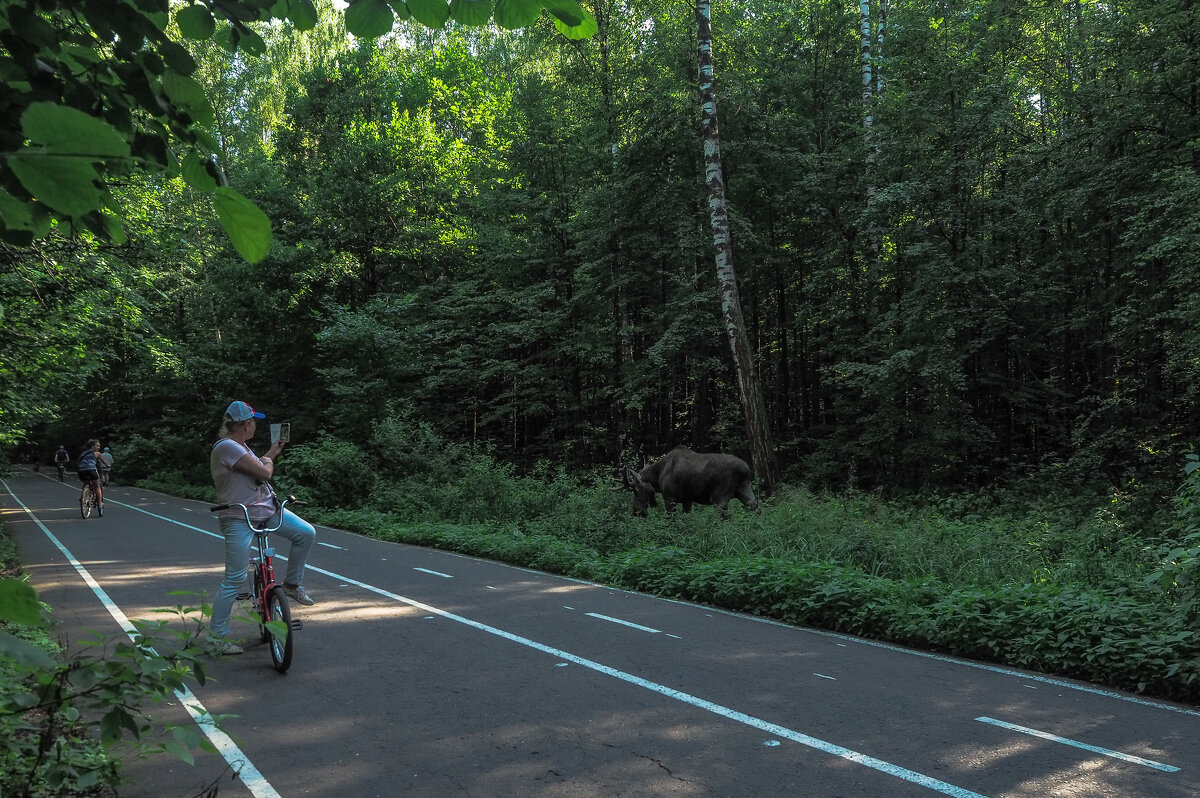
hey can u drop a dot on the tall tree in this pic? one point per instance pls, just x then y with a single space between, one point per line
758 429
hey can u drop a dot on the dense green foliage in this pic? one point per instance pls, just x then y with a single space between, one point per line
1037 587
490 275
504 233
96 89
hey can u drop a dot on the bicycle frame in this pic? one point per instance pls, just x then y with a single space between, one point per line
267 596
89 499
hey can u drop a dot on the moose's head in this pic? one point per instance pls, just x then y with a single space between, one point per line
644 493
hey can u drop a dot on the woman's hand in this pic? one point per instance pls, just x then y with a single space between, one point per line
275 449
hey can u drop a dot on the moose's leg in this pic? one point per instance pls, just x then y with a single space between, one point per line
722 506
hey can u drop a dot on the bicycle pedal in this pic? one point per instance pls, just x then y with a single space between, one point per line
244 596
297 624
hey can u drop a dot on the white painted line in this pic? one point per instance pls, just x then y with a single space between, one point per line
1137 760
427 571
630 624
997 669
779 731
731 714
229 750
330 546
823 676
885 767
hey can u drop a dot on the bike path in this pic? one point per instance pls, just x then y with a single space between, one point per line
427 673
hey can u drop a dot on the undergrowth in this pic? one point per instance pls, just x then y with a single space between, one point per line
1079 594
62 709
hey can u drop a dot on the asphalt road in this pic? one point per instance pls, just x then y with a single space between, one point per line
423 673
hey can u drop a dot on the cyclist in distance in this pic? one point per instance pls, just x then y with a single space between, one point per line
241 477
88 468
61 458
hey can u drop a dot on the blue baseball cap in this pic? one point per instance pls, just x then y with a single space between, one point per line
240 411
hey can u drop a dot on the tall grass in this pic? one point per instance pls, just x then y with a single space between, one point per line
414 476
1014 581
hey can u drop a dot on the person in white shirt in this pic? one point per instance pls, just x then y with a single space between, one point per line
241 477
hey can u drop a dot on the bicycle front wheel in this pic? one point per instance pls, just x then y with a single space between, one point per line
87 500
280 612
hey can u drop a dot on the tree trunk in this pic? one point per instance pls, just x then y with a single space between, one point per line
758 431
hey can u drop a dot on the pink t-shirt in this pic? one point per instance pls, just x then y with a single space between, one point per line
234 487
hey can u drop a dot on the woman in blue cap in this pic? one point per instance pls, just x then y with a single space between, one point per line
240 477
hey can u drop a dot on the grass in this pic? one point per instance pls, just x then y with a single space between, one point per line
1055 589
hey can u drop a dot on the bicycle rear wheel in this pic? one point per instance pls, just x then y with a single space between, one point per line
281 647
87 500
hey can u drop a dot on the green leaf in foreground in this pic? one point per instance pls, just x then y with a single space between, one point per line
471 12
195 22
567 11
196 174
430 13
66 184
62 130
303 14
187 93
513 14
19 603
248 227
369 19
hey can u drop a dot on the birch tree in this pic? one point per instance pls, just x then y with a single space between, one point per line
758 432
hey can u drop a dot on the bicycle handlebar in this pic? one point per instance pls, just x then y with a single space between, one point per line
246 511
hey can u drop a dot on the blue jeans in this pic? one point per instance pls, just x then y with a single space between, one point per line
238 538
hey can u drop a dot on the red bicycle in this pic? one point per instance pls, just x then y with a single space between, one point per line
267 597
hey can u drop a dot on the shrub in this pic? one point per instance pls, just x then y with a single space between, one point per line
59 711
166 454
330 472
1179 572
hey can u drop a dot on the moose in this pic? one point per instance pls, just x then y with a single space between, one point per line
688 478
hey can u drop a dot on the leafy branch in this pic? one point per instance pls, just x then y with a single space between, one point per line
96 88
54 709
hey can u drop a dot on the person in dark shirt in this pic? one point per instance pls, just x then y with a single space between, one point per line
88 468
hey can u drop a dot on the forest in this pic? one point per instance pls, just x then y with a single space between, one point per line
965 260
964 234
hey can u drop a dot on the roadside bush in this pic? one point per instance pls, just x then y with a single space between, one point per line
164 454
1178 574
61 710
405 449
329 471
1061 595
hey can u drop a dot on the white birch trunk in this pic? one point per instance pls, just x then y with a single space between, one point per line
753 408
